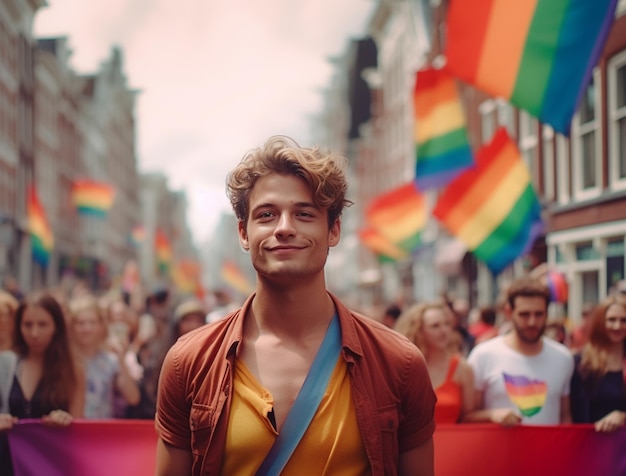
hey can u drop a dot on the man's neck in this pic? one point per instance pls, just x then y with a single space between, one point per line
528 349
291 313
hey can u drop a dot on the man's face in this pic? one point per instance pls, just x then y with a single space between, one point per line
529 316
286 234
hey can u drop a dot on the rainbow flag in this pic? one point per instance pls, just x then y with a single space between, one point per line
442 148
137 235
163 250
186 275
529 395
233 276
537 54
92 198
384 249
399 216
42 238
492 207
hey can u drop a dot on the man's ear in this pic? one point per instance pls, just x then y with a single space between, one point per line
334 234
243 236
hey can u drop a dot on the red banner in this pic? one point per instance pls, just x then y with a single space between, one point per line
126 447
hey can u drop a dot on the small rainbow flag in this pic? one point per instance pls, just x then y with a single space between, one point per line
537 54
92 198
492 207
137 235
42 238
527 394
233 276
557 284
163 250
381 246
399 216
186 275
442 147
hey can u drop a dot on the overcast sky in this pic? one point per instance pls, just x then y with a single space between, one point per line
217 76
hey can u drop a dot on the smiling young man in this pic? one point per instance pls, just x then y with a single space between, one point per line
523 376
227 390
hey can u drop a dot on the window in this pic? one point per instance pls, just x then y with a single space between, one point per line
587 155
505 116
487 120
617 121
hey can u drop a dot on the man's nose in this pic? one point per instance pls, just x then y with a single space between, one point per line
285 224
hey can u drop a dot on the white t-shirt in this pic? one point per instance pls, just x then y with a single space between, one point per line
531 385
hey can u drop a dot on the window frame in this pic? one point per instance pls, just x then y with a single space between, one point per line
578 131
613 116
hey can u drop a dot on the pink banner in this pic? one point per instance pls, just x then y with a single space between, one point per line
94 448
126 447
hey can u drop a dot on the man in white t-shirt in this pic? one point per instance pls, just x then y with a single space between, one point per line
522 377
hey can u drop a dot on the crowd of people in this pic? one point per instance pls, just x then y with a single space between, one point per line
522 368
292 378
69 353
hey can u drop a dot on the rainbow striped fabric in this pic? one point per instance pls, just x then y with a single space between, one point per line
92 198
385 250
42 238
395 221
442 148
529 395
186 275
493 207
538 54
232 275
163 250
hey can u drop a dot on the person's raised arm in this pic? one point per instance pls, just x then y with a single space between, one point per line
172 461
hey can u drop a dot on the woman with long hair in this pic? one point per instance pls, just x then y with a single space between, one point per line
105 368
47 383
597 391
429 326
42 380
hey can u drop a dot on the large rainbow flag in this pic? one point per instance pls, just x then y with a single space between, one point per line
398 217
92 198
538 54
442 149
493 207
42 238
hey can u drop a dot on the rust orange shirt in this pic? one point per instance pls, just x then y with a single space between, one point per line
390 389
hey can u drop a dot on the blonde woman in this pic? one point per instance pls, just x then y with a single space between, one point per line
105 371
429 327
597 391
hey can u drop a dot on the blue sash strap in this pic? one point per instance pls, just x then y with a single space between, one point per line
306 404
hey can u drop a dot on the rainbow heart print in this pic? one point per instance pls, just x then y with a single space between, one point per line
529 395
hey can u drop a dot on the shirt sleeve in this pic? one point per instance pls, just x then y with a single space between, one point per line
172 414
418 425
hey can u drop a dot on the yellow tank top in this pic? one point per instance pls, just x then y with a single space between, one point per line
332 444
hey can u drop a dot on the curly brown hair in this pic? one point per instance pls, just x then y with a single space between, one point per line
527 287
324 173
